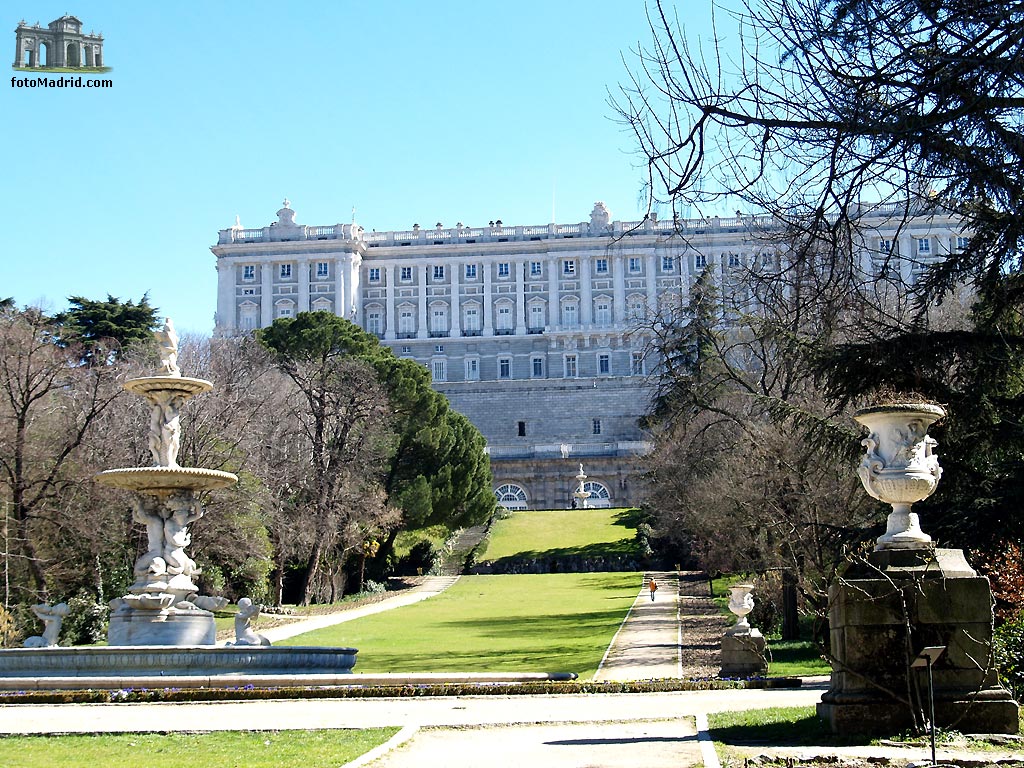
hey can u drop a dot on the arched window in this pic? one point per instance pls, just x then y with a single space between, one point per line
570 315
599 495
248 316
511 496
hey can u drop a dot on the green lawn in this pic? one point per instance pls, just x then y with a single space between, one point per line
560 622
557 533
251 749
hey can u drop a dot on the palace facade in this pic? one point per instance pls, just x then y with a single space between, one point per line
538 334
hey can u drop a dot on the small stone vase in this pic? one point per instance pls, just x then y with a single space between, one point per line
900 467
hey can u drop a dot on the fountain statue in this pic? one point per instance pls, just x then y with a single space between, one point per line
52 617
159 609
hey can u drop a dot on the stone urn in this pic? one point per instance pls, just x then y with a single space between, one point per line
741 602
900 467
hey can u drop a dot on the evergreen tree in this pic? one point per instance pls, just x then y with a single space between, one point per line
113 324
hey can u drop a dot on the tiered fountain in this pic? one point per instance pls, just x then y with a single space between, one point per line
162 633
162 607
581 494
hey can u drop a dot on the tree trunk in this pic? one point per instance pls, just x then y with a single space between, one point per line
790 615
312 571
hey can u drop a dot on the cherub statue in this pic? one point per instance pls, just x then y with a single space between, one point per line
244 634
52 617
165 431
167 339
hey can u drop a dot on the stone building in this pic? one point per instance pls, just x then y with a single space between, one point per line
535 333
60 44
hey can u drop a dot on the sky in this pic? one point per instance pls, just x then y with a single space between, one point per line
407 111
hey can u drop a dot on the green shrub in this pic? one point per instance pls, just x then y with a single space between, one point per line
86 622
1008 652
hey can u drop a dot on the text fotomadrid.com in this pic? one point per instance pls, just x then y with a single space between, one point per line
60 82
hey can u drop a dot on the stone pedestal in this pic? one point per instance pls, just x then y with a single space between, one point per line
880 617
743 655
171 626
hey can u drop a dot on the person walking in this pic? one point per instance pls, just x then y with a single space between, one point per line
653 586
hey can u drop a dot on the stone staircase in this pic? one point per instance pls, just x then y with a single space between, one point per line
467 538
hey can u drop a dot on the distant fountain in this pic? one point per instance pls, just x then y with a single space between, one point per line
580 494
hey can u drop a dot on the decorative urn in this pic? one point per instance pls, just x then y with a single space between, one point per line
900 467
741 602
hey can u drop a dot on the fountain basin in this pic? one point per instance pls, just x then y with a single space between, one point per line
183 661
165 480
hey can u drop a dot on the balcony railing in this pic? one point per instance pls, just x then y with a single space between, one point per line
472 332
502 331
439 334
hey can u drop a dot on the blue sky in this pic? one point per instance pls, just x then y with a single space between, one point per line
411 112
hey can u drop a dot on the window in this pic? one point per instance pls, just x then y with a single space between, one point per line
439 347
700 261
406 274
569 267
439 272
373 322
249 272
885 247
535 269
286 271
569 314
521 428
504 317
667 263
248 291
472 369
603 312
439 370
374 274
601 266
596 427
637 309
924 245
634 264
322 270
511 496
570 366
439 320
604 365
406 349
406 321
471 271
503 269
471 319
734 259
536 316
962 242
537 367
504 367
636 364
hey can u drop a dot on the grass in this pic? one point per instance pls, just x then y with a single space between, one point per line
795 658
560 622
252 749
559 533
777 726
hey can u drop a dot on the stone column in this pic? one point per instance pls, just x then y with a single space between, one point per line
266 294
488 326
586 293
652 284
339 287
355 289
456 300
347 268
618 289
421 326
553 304
303 277
390 276
227 314
519 267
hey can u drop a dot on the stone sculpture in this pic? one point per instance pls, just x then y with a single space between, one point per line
244 634
167 339
52 617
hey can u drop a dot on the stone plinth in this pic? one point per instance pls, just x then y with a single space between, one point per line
880 617
167 627
743 655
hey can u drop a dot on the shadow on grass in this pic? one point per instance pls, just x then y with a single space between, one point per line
620 548
631 518
806 731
